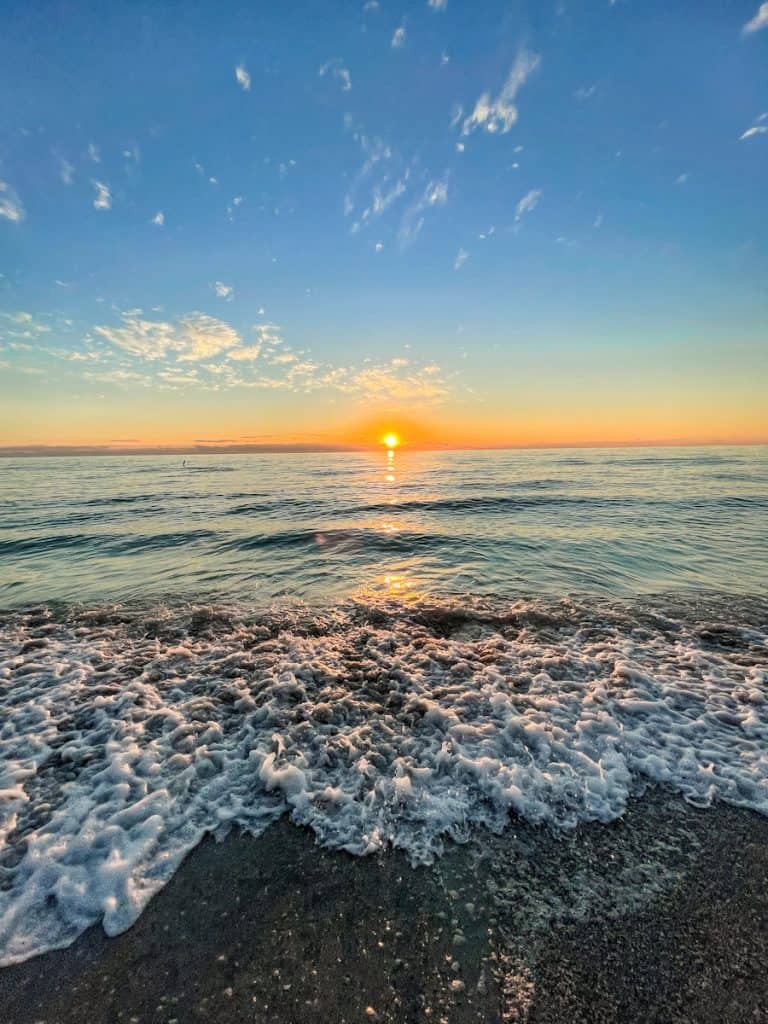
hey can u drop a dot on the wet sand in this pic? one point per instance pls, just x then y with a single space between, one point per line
660 917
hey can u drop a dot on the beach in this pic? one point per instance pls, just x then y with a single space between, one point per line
662 916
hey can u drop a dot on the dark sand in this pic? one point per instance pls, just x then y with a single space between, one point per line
660 917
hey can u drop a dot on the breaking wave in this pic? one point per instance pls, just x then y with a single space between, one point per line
129 732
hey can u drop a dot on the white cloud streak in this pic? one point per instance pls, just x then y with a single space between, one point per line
66 172
11 207
224 291
243 78
195 337
759 21
498 115
103 200
461 258
528 203
398 39
435 194
222 359
335 67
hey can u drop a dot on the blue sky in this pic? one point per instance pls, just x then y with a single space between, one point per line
274 219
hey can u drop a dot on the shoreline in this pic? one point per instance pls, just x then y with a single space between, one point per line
661 916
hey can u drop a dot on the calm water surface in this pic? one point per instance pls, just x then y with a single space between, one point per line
320 527
381 649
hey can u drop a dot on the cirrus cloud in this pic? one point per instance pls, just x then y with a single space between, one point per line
498 115
11 207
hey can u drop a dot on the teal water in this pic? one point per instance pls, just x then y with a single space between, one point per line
321 527
392 652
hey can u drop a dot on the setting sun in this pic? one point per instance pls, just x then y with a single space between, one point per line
390 440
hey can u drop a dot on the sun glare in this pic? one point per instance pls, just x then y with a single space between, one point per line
390 441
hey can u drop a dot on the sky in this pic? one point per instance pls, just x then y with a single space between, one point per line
307 223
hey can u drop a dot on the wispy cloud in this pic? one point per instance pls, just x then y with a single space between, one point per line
760 127
94 154
461 258
585 93
224 291
500 114
528 203
681 178
435 194
22 326
195 337
223 359
393 180
66 172
103 199
158 219
11 207
335 67
759 21
243 78
398 39
437 5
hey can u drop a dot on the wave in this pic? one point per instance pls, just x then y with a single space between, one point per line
494 503
129 732
105 542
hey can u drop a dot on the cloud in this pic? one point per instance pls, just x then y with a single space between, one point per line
243 78
758 128
500 114
93 153
398 39
437 5
224 360
528 203
392 184
382 200
759 21
392 382
66 172
11 207
21 327
585 93
247 352
681 179
435 194
194 337
335 67
103 200
224 291
158 219
461 258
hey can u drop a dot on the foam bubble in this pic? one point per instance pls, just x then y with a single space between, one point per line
128 734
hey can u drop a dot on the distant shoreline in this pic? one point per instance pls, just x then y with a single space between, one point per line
48 451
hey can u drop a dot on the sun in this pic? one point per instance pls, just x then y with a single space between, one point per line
390 441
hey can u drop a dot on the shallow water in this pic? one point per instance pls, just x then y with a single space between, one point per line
390 662
323 526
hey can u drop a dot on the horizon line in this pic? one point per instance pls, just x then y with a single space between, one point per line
298 448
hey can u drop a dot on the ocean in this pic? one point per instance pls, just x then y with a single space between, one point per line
393 651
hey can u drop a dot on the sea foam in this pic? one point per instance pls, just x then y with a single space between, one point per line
127 734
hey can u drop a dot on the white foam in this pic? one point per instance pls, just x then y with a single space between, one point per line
124 739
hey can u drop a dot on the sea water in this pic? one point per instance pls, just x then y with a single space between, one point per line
391 650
